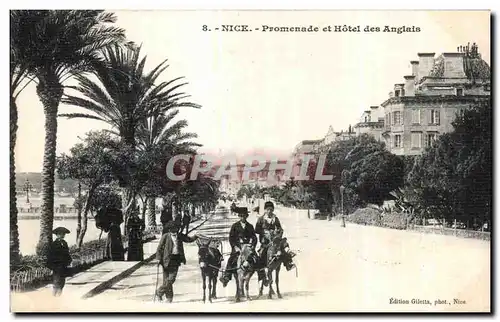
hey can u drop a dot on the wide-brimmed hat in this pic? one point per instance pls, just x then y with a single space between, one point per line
268 204
60 230
243 211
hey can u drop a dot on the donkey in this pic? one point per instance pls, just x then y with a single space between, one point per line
210 260
246 263
273 262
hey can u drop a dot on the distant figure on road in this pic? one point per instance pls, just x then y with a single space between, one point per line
135 249
166 215
170 255
58 260
186 220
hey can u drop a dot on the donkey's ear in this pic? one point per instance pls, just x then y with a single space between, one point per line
198 242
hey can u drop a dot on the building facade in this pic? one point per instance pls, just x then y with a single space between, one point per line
371 122
425 105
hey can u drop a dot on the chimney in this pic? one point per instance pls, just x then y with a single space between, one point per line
409 85
399 90
453 65
414 69
425 64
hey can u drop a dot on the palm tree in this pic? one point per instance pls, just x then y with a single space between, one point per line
157 131
56 45
18 74
124 97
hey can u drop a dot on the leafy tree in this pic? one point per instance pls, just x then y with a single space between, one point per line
93 163
55 45
454 175
372 171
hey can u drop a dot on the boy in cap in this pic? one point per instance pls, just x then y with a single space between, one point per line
170 255
270 223
242 232
58 260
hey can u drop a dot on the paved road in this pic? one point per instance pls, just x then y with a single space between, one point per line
357 268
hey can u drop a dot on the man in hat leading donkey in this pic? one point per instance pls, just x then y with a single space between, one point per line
58 260
170 255
242 232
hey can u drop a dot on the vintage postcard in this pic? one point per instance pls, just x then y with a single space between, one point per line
250 161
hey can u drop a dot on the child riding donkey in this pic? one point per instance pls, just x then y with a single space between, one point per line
266 226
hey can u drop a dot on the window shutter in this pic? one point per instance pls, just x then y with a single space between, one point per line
422 138
430 116
437 117
420 116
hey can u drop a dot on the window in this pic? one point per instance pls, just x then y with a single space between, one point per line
388 119
460 92
396 118
396 93
416 140
415 116
431 137
434 117
397 141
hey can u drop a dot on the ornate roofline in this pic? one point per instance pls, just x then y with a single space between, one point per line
433 98
370 124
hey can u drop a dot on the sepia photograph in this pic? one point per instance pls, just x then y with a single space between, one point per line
253 161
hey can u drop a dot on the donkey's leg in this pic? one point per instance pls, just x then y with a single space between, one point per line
261 288
204 277
236 278
270 279
214 285
209 287
278 281
247 286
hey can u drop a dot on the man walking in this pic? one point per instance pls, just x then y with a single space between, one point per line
170 255
58 260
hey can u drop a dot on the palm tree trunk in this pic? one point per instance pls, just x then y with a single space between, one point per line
129 205
49 91
14 232
79 214
152 212
144 209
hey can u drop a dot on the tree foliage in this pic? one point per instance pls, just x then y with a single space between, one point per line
454 175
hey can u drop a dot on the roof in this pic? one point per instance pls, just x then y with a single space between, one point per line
474 68
307 142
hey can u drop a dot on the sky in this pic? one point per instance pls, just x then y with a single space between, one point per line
265 92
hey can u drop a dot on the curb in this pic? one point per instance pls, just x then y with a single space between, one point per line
107 284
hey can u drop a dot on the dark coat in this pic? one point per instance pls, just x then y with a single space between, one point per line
262 226
58 257
165 247
238 235
114 244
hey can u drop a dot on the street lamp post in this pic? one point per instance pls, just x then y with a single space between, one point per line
27 189
342 206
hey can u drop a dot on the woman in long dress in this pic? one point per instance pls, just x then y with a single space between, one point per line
114 247
134 228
